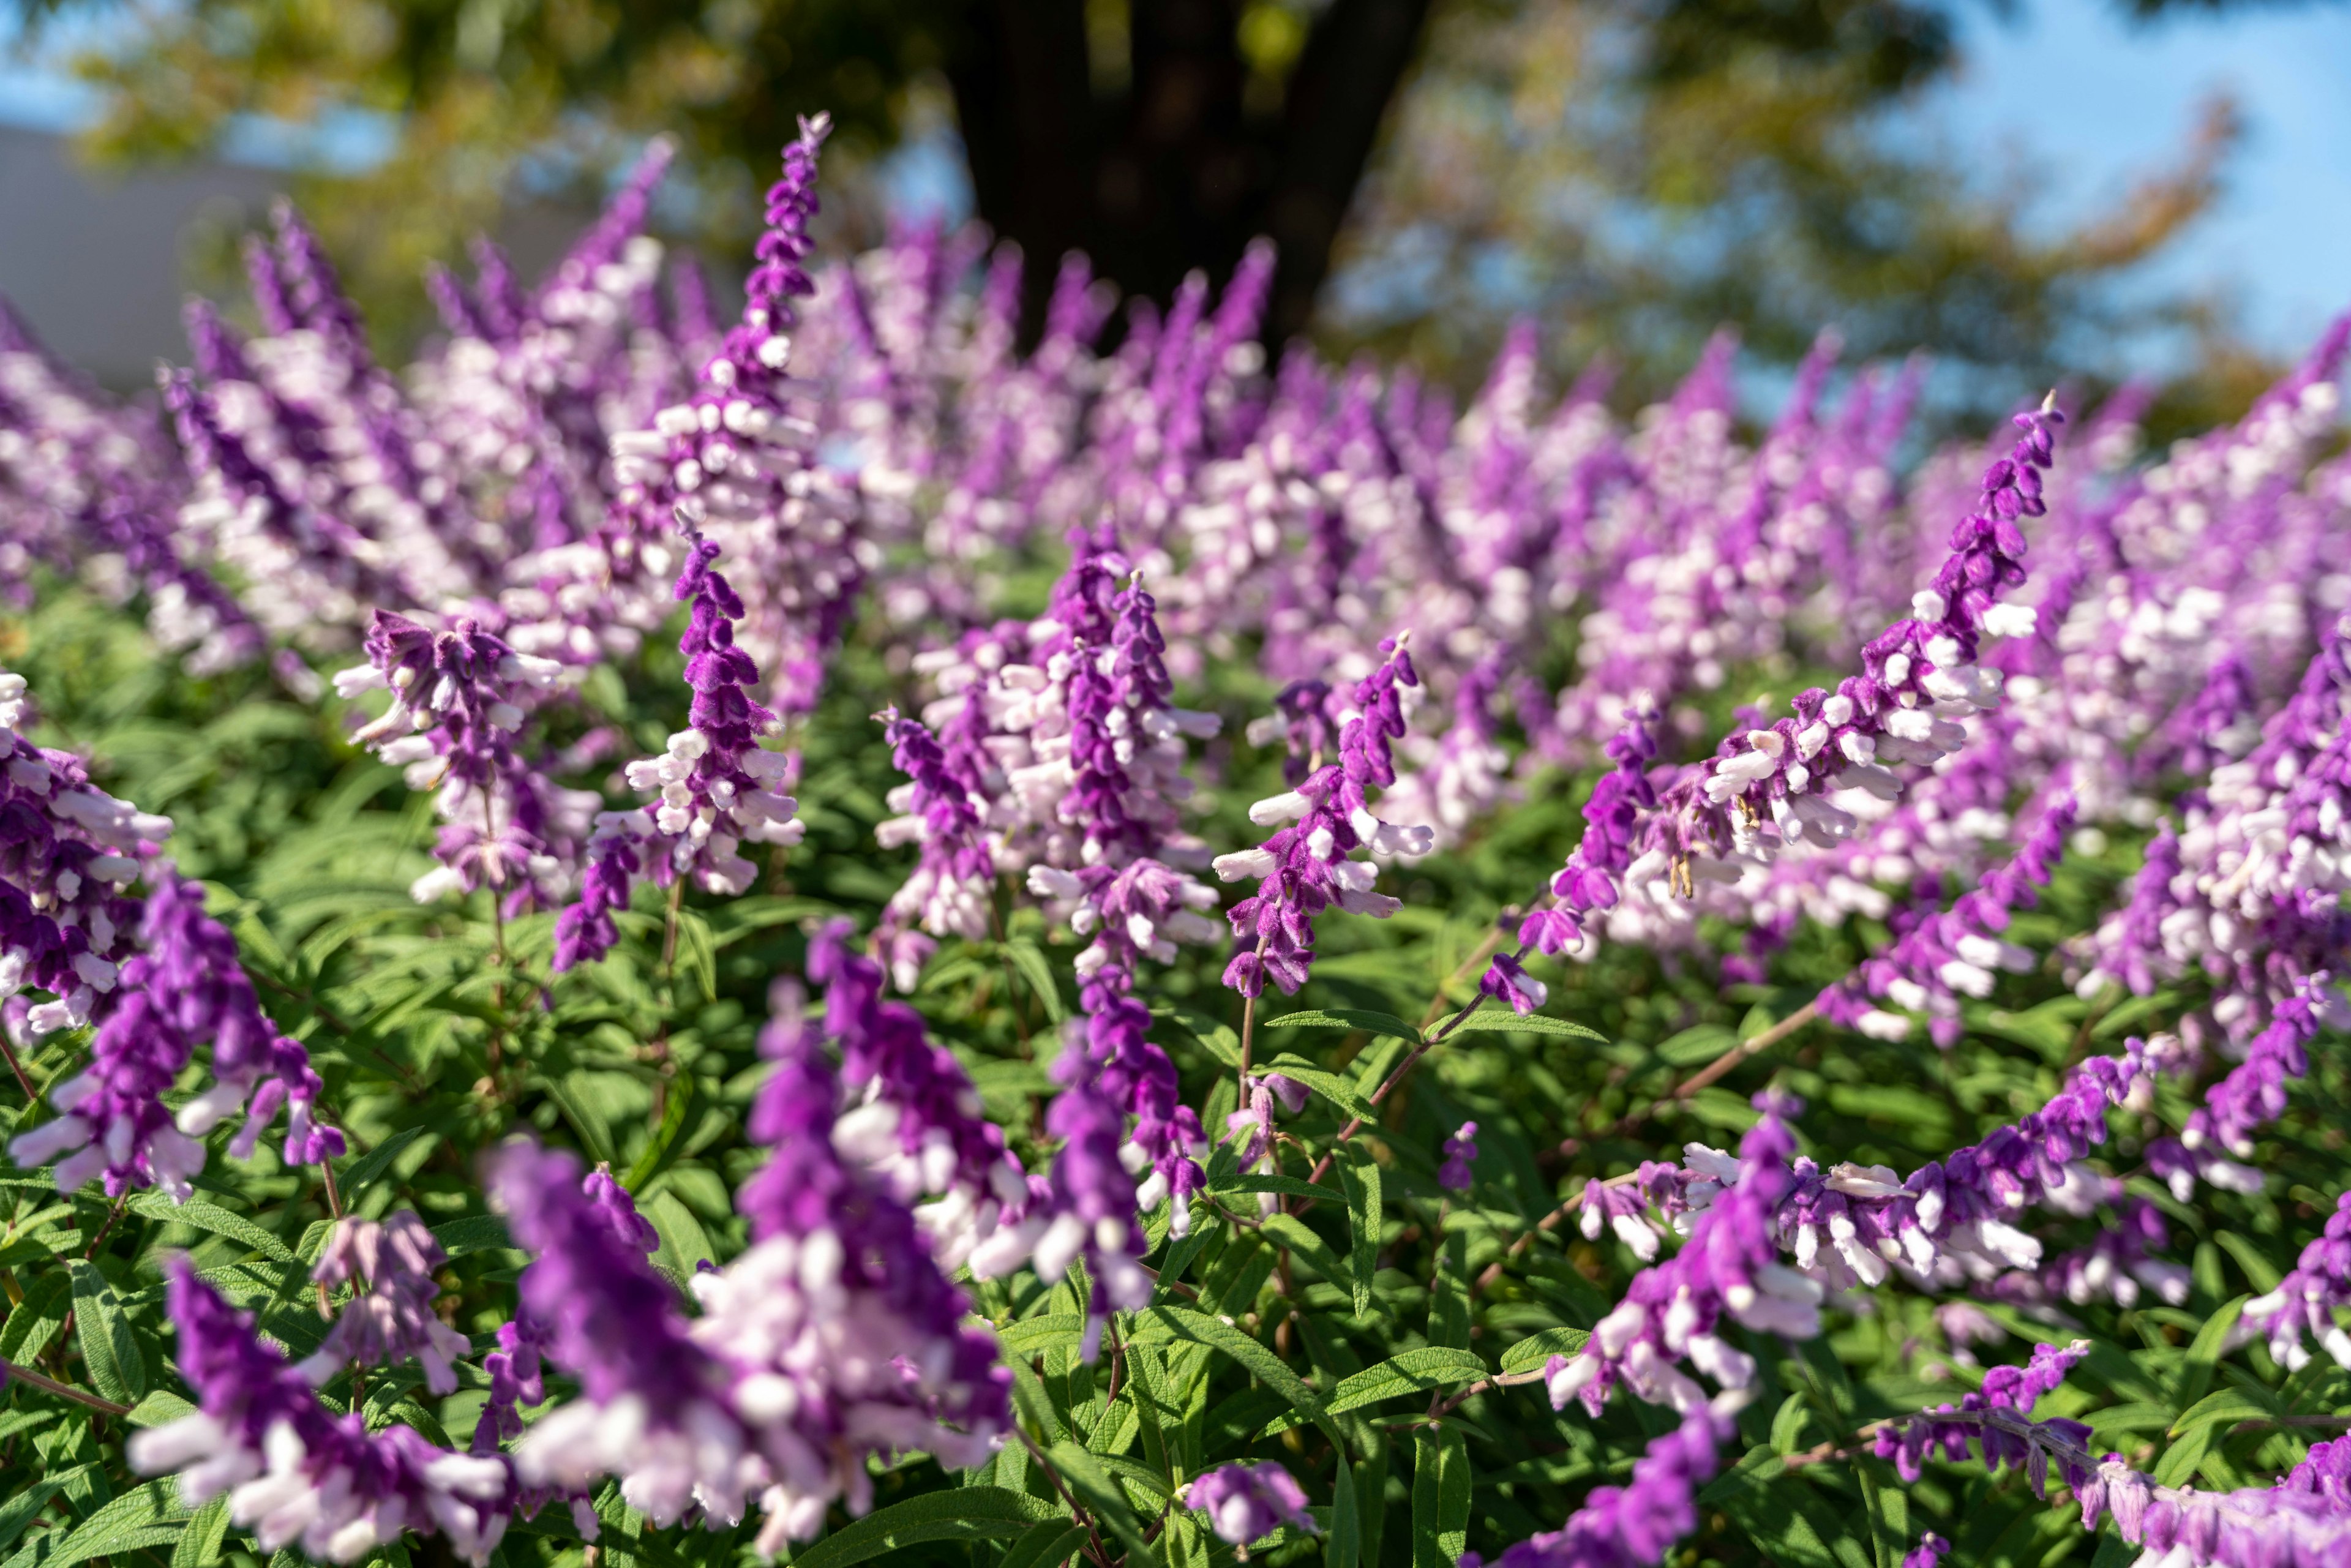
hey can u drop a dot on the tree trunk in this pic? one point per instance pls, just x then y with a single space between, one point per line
1174 171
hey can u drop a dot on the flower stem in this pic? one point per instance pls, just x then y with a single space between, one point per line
12 1372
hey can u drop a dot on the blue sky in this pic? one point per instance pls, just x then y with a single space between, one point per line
2086 100
2091 100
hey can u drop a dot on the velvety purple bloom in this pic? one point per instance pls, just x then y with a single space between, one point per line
2013 1388
1929 1553
1248 1502
1460 1152
2303 1305
67 852
457 700
716 786
389 1318
296 1475
1958 952
1635 1525
1956 1219
184 988
840 1332
1728 1267
949 894
916 1125
1306 866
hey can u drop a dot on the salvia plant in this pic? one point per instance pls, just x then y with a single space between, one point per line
1192 959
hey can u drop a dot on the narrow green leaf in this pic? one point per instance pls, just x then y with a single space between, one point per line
1345 1546
21 1509
1440 1498
1085 1475
1054 1330
1501 1020
1267 1367
1218 1038
1361 1176
475 1233
2224 1408
1046 1544
211 1217
159 1408
144 1516
1422 1371
960 1513
1255 1182
2204 1353
1329 1085
1291 1232
199 1546
1029 959
1536 1349
591 1127
36 1319
116 1369
378 1160
1368 1020
697 956
675 1107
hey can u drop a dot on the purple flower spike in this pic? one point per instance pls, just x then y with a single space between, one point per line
295 1474
654 1405
1460 1152
390 1319
717 787
1306 867
1636 1525
457 699
1248 1502
1727 1267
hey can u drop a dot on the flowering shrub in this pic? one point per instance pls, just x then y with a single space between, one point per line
811 1095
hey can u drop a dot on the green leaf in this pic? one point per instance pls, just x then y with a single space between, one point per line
116 1369
1218 1039
1084 1472
960 1513
683 1243
1029 959
2226 1406
1368 1020
475 1233
1536 1349
674 1106
376 1161
199 1546
1421 1371
591 1128
1329 1085
1346 1540
211 1217
1501 1020
38 1318
1289 1231
159 1408
2258 1269
21 1509
1053 1330
1262 1363
1260 1181
1361 1177
2204 1353
697 955
1046 1544
149 1515
1440 1498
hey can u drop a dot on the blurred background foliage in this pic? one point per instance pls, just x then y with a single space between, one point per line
1631 173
